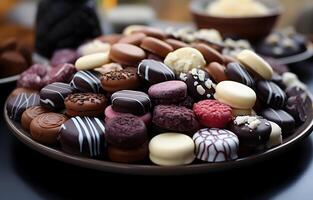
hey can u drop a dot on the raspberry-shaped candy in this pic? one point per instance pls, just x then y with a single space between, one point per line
212 113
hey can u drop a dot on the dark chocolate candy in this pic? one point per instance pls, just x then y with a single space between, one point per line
86 81
154 71
236 72
294 91
281 118
130 101
278 79
18 104
199 84
271 94
83 135
252 131
299 107
52 96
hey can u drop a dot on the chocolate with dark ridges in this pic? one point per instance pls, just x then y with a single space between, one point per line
83 135
86 81
281 118
18 104
52 96
271 94
130 101
236 72
154 71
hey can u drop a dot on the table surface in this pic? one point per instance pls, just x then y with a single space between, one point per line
26 174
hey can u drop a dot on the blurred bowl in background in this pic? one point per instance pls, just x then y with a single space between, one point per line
252 28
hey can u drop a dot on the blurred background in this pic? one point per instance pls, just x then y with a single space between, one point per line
17 16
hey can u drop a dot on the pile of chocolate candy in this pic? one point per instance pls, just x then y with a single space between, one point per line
151 95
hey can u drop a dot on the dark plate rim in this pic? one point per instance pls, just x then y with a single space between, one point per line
144 169
9 79
298 57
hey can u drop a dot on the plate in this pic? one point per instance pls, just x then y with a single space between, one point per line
149 169
298 57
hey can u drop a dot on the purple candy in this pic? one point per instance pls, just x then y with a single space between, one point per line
63 56
62 73
35 77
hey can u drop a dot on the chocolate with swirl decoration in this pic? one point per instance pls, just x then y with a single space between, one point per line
86 81
18 104
45 127
154 71
216 145
52 96
271 94
83 135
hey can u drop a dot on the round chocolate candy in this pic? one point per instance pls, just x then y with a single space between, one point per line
216 145
199 84
86 81
129 101
154 71
238 73
299 107
83 135
52 96
252 131
18 104
281 118
271 94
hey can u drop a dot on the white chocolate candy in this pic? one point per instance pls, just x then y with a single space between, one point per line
241 112
237 8
132 28
291 80
184 59
216 145
171 149
275 137
255 63
235 95
95 46
92 61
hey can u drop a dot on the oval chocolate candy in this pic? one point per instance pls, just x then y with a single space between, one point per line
271 94
154 71
238 73
129 101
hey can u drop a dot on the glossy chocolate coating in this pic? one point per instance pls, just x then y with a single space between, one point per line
281 118
271 94
299 107
52 96
86 81
199 84
252 136
130 101
236 72
83 135
154 71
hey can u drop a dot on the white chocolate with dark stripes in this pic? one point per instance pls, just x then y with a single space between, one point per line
216 145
